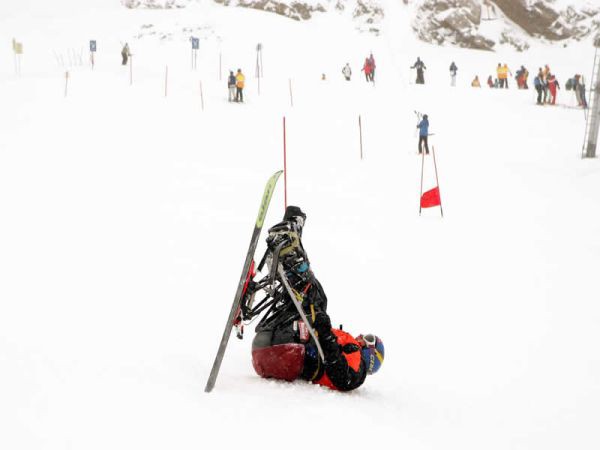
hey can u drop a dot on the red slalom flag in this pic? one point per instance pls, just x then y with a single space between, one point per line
431 198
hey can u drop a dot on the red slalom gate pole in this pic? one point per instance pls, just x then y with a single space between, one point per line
284 167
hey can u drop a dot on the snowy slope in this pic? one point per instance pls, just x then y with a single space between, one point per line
125 216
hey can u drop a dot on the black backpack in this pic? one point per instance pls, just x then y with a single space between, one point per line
570 84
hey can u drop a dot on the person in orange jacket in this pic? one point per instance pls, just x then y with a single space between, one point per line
283 347
239 85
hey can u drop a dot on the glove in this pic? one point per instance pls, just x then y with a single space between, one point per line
322 323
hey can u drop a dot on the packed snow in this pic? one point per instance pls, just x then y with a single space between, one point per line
125 215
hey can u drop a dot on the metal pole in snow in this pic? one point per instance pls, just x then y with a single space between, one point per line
66 82
166 78
422 168
291 97
130 70
360 134
284 167
436 179
201 96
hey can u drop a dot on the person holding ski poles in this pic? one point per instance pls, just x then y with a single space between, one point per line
288 347
423 127
420 66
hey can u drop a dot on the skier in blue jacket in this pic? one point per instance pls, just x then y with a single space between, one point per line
423 133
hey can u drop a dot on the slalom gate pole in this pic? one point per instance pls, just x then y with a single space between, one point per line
422 169
284 167
201 96
291 97
360 134
130 70
436 179
66 81
166 78
261 64
220 72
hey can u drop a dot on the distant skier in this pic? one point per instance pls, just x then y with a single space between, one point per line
538 85
239 84
372 64
543 86
420 66
125 54
503 73
423 127
499 75
475 82
367 69
553 86
347 71
521 77
282 347
231 86
490 82
579 88
453 70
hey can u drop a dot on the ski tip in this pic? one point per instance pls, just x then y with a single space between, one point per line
209 387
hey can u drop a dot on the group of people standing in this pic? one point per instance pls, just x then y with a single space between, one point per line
546 85
577 85
235 84
369 68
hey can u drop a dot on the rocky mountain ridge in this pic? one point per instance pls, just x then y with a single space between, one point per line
478 24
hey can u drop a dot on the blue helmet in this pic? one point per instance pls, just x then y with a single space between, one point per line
372 352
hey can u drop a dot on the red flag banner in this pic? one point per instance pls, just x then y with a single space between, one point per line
431 198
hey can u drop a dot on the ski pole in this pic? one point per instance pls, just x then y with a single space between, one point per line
299 308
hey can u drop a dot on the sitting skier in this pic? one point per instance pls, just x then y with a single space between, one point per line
285 346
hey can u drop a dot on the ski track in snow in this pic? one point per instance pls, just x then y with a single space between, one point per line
125 215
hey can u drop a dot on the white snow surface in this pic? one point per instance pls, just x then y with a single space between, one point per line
125 216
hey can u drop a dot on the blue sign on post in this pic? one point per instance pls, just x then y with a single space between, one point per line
92 46
195 43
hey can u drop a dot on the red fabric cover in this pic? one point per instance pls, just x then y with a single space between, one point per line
283 361
431 198
353 359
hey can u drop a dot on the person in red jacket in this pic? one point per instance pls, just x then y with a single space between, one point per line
284 347
368 69
552 87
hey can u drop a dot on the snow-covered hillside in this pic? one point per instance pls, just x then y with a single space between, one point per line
125 215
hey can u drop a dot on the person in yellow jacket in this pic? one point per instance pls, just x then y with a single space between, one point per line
499 75
239 84
475 82
503 73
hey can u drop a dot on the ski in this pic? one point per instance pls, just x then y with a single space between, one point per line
262 212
